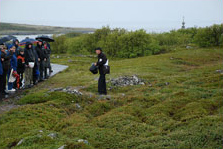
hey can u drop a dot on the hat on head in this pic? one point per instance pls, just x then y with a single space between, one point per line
98 49
10 46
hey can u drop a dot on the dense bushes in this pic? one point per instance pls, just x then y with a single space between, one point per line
129 44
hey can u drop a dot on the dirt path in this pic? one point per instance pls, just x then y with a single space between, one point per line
9 104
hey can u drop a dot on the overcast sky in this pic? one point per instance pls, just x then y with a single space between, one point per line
152 15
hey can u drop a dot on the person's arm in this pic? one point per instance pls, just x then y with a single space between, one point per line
102 61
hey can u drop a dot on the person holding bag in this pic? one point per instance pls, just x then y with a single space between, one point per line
100 63
13 70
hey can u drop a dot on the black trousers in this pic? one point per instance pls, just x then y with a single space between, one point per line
5 72
102 84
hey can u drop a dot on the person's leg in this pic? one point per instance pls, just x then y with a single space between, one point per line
102 85
27 81
31 75
50 68
104 91
4 79
41 70
10 85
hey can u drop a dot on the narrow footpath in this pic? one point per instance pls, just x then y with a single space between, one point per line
7 106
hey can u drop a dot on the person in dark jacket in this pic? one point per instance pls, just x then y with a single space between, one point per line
41 52
6 56
21 66
13 62
47 64
30 57
100 63
50 67
16 44
1 77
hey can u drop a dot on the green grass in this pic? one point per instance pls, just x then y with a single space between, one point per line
184 113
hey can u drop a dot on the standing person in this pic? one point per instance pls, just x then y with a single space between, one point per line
13 63
35 68
41 52
29 58
50 67
21 66
16 44
48 52
1 77
100 63
6 55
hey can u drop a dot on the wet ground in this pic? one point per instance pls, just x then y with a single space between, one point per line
8 104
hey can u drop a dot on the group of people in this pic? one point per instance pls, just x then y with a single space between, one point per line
33 62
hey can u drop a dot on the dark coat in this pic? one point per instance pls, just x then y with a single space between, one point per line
1 68
6 63
30 54
101 61
20 63
41 52
48 51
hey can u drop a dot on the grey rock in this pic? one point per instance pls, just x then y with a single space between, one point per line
167 83
82 140
20 142
219 71
108 97
62 147
52 135
77 106
189 47
77 92
126 81
40 131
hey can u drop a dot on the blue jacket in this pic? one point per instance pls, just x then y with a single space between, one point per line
1 69
14 62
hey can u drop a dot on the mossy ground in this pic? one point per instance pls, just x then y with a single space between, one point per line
180 106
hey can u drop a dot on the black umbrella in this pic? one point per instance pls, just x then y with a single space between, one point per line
45 38
6 38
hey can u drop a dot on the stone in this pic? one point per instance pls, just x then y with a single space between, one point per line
167 83
219 71
77 106
77 92
127 81
40 131
20 142
108 97
62 147
189 47
52 135
82 140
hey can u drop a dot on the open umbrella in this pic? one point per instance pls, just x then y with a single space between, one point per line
23 42
6 38
45 38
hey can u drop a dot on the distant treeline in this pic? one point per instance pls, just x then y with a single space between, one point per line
25 29
129 44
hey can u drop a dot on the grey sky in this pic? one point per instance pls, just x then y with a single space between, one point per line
152 15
